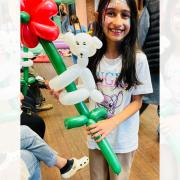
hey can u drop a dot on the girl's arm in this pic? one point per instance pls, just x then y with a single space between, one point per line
104 127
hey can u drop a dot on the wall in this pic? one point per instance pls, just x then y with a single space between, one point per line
81 11
85 11
90 5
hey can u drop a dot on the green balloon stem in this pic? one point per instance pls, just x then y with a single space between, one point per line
107 151
60 67
84 119
25 74
76 121
98 114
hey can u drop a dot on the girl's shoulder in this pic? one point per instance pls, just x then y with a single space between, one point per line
140 57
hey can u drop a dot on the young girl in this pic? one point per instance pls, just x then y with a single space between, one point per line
122 74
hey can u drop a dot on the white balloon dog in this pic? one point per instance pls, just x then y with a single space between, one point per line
83 46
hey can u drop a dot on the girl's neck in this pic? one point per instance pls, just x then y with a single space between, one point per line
112 51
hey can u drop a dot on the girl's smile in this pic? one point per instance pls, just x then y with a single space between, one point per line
116 31
116 21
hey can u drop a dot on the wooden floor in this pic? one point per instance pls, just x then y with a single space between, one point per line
72 143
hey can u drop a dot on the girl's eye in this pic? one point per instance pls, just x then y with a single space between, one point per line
110 14
126 15
77 42
84 43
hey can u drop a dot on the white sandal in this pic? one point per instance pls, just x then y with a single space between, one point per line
77 165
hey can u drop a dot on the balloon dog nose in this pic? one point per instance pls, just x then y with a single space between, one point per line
81 54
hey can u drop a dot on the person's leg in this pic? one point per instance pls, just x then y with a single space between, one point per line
29 100
126 160
42 151
35 93
98 165
32 164
32 142
31 95
30 103
65 23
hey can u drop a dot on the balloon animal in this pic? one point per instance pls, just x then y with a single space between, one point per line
37 26
83 46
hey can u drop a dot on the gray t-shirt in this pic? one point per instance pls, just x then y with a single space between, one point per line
124 138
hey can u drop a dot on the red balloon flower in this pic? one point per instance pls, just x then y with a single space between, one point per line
40 24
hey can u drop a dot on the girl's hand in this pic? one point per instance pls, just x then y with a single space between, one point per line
52 91
102 128
55 93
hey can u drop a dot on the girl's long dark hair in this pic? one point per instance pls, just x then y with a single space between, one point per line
127 48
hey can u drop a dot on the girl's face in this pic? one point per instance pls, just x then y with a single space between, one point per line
116 21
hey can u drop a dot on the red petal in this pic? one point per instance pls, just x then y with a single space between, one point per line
22 3
27 37
40 24
48 31
30 5
45 9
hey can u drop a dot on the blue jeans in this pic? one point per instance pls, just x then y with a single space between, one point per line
32 163
65 23
33 150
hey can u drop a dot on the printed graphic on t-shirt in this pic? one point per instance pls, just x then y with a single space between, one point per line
113 97
111 103
109 78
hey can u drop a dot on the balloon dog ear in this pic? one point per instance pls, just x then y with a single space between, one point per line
68 37
97 43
